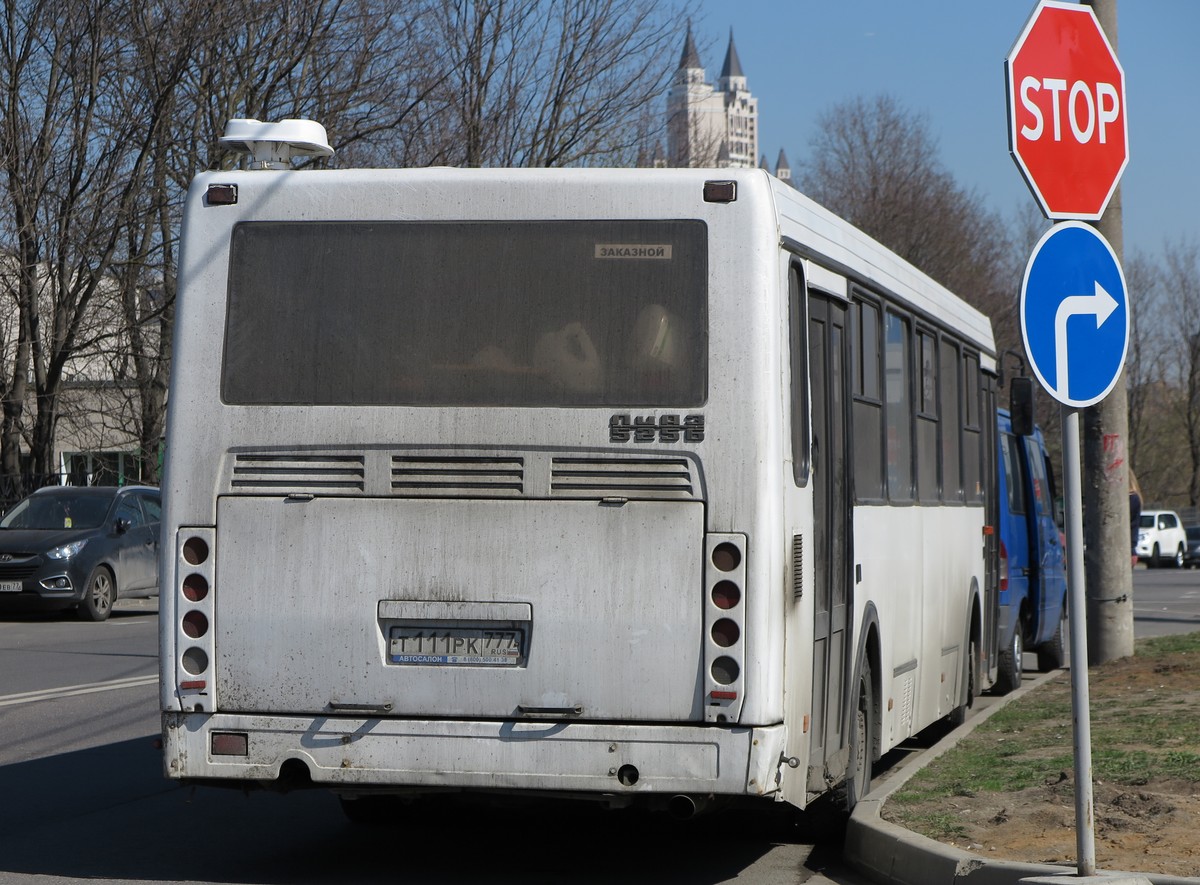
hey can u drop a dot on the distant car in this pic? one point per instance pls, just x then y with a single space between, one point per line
1161 538
1191 557
83 548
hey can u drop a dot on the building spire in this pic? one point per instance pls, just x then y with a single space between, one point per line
690 57
733 65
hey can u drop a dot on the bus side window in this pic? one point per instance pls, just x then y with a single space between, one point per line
952 483
972 455
928 478
868 407
899 410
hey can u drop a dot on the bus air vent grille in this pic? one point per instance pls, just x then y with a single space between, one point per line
328 474
646 478
797 566
436 476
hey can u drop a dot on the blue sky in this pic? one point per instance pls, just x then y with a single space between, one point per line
945 59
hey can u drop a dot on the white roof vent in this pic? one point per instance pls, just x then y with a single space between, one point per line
272 145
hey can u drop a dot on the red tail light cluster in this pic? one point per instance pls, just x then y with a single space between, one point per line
724 624
194 618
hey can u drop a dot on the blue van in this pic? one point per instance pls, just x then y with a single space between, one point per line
1033 572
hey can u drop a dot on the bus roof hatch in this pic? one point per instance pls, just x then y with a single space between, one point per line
272 145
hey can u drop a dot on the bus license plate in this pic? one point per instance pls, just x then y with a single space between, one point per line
10 586
457 646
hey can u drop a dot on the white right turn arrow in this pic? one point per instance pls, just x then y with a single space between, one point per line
1101 305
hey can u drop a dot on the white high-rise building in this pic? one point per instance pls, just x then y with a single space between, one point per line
707 126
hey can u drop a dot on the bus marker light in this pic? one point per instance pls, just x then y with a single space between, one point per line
222 194
194 685
720 191
723 695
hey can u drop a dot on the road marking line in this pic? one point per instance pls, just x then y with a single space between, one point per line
66 691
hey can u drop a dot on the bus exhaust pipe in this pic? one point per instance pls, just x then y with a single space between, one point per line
684 807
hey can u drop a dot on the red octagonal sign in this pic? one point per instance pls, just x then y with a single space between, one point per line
1067 125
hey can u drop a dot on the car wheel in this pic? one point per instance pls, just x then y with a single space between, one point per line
1178 563
1009 678
1152 562
98 595
1050 653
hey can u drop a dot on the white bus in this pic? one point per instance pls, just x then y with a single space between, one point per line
645 485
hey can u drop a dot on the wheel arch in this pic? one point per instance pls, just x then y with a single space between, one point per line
868 650
971 686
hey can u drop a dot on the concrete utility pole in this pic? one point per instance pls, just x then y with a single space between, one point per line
1106 472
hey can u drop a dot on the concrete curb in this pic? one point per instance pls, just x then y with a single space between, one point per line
891 855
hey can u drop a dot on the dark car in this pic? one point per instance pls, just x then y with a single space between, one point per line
1191 556
83 548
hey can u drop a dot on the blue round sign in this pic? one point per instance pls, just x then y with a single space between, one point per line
1075 314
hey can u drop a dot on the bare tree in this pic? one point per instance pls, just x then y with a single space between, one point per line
108 108
1143 367
876 164
73 154
331 61
1181 291
534 83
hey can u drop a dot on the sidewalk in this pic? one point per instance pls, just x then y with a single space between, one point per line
891 855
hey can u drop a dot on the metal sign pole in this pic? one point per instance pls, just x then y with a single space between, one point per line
1085 838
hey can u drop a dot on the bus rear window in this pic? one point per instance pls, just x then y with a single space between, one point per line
563 313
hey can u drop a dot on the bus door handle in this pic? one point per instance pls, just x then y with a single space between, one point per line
569 710
353 707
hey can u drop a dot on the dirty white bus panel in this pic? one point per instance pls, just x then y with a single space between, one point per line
637 485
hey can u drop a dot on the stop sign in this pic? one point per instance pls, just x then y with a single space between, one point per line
1067 127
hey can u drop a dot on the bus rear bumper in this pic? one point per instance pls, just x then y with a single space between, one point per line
577 757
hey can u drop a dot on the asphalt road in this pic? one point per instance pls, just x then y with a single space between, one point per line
82 793
1165 601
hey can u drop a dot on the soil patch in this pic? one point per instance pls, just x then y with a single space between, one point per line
1008 791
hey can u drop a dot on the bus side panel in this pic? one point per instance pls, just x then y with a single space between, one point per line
924 615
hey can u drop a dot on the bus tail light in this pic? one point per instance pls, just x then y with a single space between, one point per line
194 569
1003 567
725 626
230 743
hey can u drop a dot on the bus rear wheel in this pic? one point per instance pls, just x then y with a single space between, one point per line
959 714
862 739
